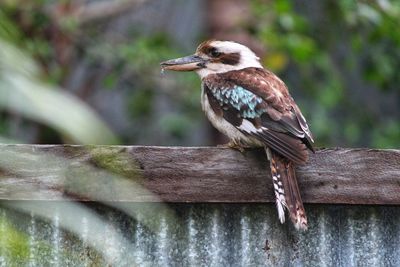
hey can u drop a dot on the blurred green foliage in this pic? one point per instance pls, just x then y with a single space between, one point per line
24 246
130 62
134 64
339 59
342 56
17 245
21 92
24 84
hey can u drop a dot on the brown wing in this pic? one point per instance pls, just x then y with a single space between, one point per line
258 96
282 108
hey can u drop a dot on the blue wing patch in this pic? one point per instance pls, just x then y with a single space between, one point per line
239 98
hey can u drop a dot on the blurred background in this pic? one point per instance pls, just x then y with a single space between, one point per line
77 71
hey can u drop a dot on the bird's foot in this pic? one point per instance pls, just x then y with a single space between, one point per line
235 144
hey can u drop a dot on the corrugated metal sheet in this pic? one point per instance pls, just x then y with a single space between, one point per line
207 235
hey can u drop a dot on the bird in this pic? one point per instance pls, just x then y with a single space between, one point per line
253 108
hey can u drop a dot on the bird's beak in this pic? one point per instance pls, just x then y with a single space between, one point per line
189 63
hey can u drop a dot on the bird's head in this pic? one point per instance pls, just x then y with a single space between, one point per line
215 57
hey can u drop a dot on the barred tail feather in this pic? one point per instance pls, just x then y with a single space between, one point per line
287 191
278 187
295 204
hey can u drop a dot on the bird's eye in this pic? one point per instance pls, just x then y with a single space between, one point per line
214 52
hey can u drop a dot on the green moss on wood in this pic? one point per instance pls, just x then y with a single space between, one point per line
115 160
108 172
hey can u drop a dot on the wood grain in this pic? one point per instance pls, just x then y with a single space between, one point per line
191 174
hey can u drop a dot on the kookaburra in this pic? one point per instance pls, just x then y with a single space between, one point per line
253 107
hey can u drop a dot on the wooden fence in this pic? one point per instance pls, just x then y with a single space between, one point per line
192 174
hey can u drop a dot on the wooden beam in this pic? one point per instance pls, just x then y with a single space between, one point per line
191 174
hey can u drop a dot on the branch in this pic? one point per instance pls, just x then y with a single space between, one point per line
84 13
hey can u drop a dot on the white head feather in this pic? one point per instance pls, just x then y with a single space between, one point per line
247 58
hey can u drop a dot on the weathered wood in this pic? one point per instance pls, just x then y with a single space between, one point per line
195 174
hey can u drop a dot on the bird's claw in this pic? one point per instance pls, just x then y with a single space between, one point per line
234 144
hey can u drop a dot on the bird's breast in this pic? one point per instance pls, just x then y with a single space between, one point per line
222 125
